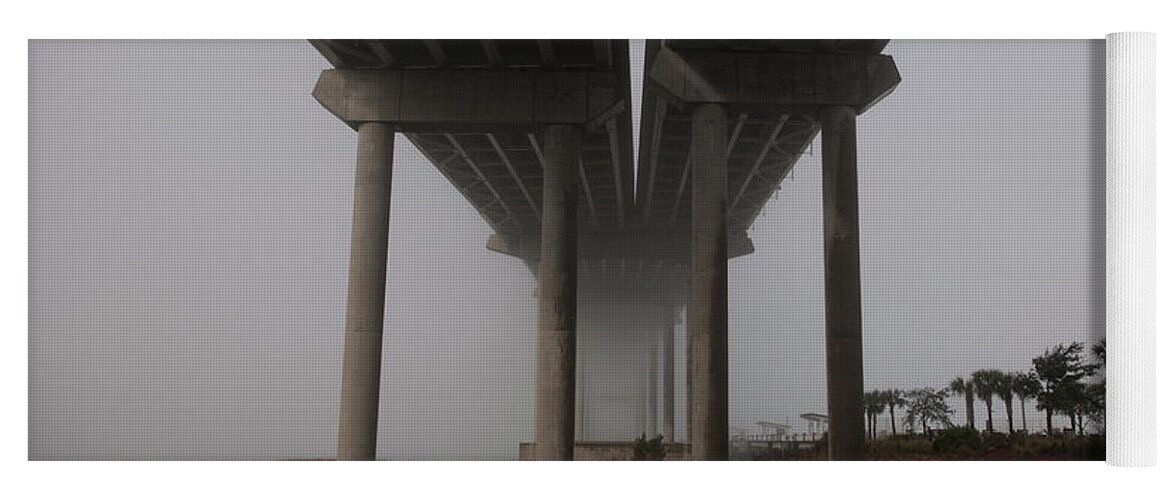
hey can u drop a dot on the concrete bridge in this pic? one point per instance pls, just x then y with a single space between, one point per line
537 136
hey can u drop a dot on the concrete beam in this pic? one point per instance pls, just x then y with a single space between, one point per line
467 101
327 52
778 82
684 180
672 247
492 52
436 51
650 112
618 169
652 165
602 53
764 151
380 49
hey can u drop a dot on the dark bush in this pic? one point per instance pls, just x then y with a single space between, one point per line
996 440
1095 448
649 449
952 439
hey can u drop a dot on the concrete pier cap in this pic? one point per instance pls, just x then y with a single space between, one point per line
777 81
463 101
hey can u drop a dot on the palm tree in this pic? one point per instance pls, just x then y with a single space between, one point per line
893 398
984 383
1097 390
874 405
1003 388
1099 352
1026 385
959 386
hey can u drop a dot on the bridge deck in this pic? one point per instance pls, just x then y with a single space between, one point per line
631 234
763 146
500 173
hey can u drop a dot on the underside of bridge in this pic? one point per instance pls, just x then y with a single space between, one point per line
537 136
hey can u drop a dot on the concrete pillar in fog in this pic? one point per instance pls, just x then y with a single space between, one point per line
639 376
557 296
581 398
362 359
687 389
843 296
669 375
707 319
652 383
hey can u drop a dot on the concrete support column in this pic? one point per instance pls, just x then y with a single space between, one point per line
689 389
581 406
707 319
638 395
669 375
843 294
557 296
362 361
652 400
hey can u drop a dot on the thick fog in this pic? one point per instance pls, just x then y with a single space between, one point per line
189 208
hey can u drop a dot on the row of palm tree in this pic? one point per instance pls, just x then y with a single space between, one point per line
924 406
990 384
1056 381
876 402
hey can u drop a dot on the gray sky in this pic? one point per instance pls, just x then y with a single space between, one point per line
189 210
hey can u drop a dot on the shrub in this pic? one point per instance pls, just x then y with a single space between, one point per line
649 449
952 439
996 440
901 447
1095 448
